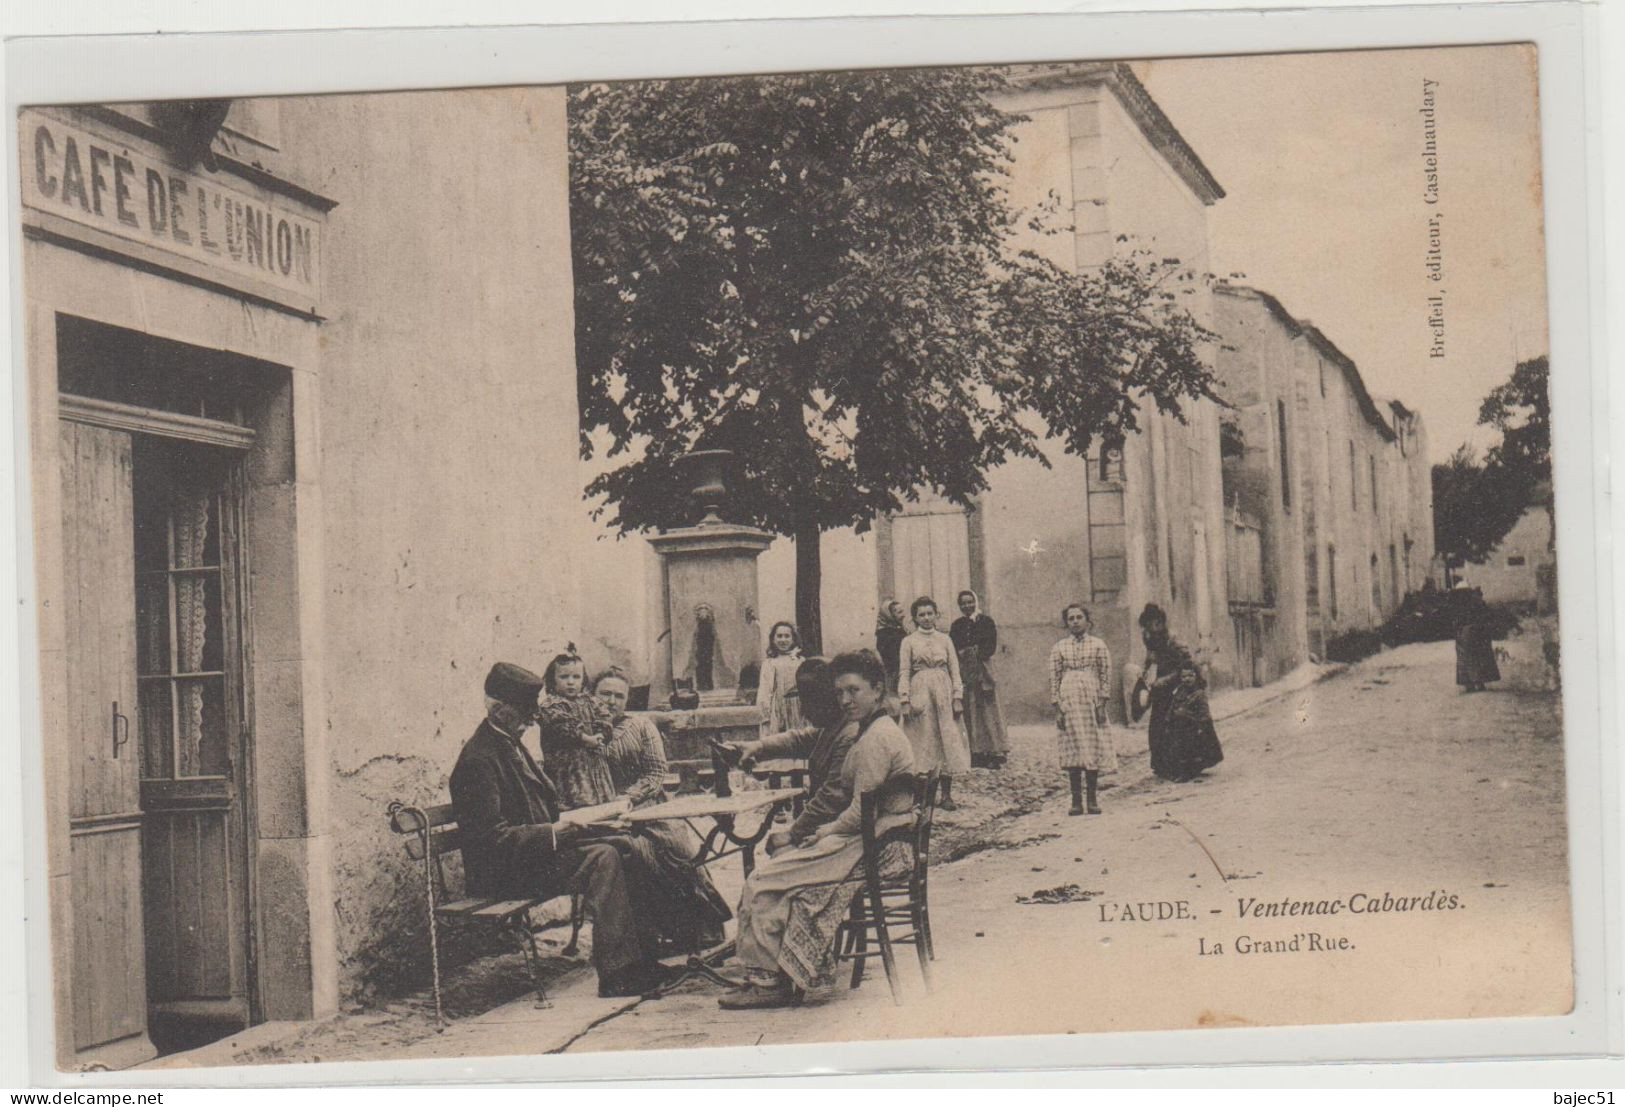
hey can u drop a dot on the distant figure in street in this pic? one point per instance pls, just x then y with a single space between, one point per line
574 728
1182 737
976 638
1475 649
933 699
514 845
1080 674
777 696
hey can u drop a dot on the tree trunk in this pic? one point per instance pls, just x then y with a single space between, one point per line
809 587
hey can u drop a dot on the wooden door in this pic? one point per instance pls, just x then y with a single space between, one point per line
190 660
931 556
105 818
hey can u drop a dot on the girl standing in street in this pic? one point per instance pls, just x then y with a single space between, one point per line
781 705
1181 734
1080 671
574 728
933 699
976 638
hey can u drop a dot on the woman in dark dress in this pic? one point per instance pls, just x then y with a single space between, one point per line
976 638
889 635
1182 738
1475 648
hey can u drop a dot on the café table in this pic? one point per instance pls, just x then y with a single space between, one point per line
722 840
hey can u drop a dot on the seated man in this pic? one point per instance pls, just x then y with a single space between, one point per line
514 845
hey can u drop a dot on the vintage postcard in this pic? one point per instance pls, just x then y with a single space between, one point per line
1043 548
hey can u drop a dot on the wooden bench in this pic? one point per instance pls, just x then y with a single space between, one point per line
432 837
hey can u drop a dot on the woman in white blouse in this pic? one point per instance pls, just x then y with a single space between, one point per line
933 699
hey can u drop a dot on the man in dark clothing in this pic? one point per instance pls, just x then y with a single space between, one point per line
514 844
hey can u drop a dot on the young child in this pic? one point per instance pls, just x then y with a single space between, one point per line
1080 675
574 729
781 704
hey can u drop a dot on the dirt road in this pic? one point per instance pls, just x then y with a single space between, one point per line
1379 789
1384 781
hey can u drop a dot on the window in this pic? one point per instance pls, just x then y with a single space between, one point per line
1515 561
1376 585
1354 478
1108 532
1331 580
1286 477
1311 579
1372 460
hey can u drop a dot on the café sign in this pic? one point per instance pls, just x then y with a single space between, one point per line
91 180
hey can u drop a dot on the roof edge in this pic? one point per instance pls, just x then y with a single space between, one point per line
1141 106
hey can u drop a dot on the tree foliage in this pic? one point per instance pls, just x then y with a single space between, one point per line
819 272
1476 504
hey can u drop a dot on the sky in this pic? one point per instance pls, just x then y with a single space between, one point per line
1321 159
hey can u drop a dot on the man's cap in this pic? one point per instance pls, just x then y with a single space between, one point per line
513 685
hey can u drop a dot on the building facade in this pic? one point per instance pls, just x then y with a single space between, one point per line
302 420
1511 573
1336 484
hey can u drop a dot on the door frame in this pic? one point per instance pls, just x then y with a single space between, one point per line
294 952
236 440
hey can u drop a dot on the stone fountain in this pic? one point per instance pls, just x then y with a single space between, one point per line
708 597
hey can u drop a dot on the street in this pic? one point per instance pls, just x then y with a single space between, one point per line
1382 781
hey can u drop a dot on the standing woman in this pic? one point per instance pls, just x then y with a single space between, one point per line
889 635
976 639
1475 647
933 699
1080 672
1182 737
781 704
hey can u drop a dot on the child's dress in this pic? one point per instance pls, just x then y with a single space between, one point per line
580 772
781 703
928 678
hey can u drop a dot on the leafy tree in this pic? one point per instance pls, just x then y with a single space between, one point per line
818 272
1521 409
1472 509
1475 505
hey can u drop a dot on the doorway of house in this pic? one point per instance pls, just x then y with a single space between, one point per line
155 574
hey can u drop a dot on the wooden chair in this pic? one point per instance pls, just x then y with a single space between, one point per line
896 909
434 837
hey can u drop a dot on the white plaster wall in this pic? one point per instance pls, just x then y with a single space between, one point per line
1504 583
447 416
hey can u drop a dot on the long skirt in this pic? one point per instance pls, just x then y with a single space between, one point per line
794 902
1081 741
1182 737
1475 657
984 718
938 739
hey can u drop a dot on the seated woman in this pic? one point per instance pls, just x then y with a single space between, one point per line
823 745
793 903
636 756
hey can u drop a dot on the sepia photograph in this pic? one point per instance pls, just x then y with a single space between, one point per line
850 555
